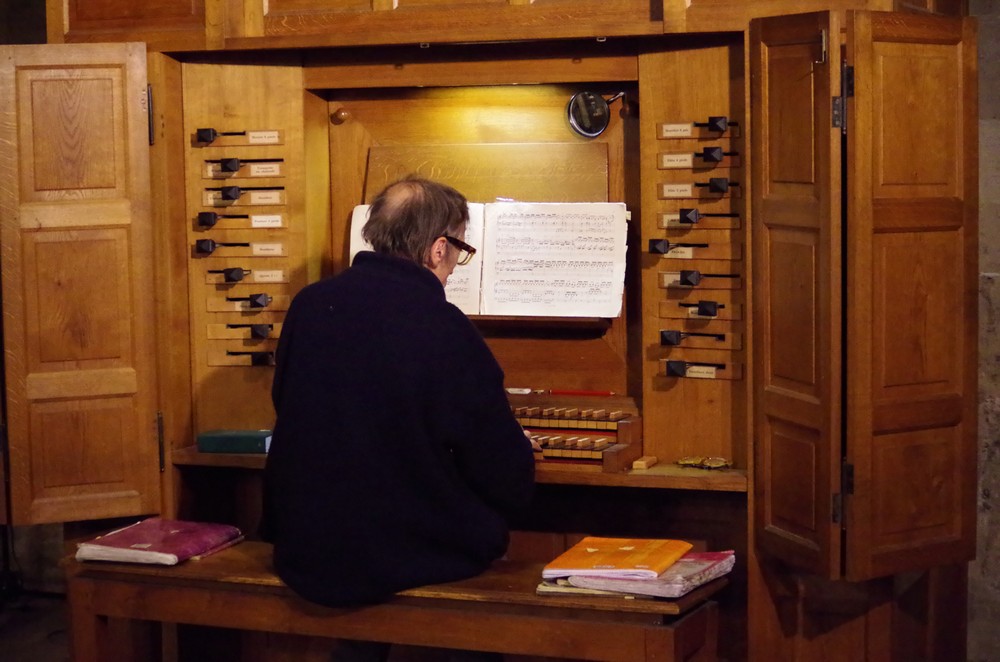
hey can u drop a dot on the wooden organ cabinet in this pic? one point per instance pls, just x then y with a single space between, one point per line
800 292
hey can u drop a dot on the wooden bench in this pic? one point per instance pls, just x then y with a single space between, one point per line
496 611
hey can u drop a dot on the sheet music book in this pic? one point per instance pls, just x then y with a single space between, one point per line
548 259
159 541
688 573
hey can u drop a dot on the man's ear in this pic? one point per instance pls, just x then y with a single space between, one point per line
437 252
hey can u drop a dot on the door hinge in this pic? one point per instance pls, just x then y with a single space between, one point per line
159 440
839 116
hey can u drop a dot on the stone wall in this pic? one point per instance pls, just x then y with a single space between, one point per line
36 549
984 573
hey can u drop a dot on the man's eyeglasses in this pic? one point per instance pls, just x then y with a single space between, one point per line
465 251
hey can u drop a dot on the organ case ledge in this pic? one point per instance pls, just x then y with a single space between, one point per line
661 476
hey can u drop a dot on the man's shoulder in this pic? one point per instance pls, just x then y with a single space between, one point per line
329 284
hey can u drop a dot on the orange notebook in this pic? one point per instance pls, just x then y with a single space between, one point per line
633 558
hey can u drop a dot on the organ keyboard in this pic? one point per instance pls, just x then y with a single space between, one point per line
590 433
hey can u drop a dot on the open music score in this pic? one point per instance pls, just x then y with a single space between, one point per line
536 259
553 259
600 434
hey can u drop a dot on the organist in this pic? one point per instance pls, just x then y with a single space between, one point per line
396 459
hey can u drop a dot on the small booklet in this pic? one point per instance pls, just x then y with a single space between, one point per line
688 573
634 558
159 541
234 441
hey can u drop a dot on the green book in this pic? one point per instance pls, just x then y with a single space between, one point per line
234 441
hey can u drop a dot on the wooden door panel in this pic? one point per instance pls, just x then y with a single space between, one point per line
916 484
916 317
796 312
279 7
163 24
92 13
77 283
454 3
385 21
792 465
911 292
73 481
67 146
540 172
794 365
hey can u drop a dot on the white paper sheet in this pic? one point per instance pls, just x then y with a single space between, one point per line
554 259
358 219
463 285
464 282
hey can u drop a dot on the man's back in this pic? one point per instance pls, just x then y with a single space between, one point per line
395 456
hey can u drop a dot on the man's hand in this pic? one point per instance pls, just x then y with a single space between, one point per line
534 444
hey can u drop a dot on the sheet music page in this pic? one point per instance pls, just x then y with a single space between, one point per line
554 259
358 219
464 283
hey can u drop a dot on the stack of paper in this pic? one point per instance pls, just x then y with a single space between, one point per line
688 573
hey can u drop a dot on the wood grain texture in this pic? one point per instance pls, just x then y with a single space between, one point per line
170 25
690 416
797 311
79 337
912 286
244 593
163 24
230 393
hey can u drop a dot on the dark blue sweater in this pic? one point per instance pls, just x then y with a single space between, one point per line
395 458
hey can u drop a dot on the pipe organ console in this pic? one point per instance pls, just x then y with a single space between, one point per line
787 251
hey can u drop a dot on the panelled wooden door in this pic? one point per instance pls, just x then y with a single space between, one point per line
912 292
79 350
865 386
797 274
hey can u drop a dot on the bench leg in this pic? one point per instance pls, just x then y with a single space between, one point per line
698 640
87 629
96 638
